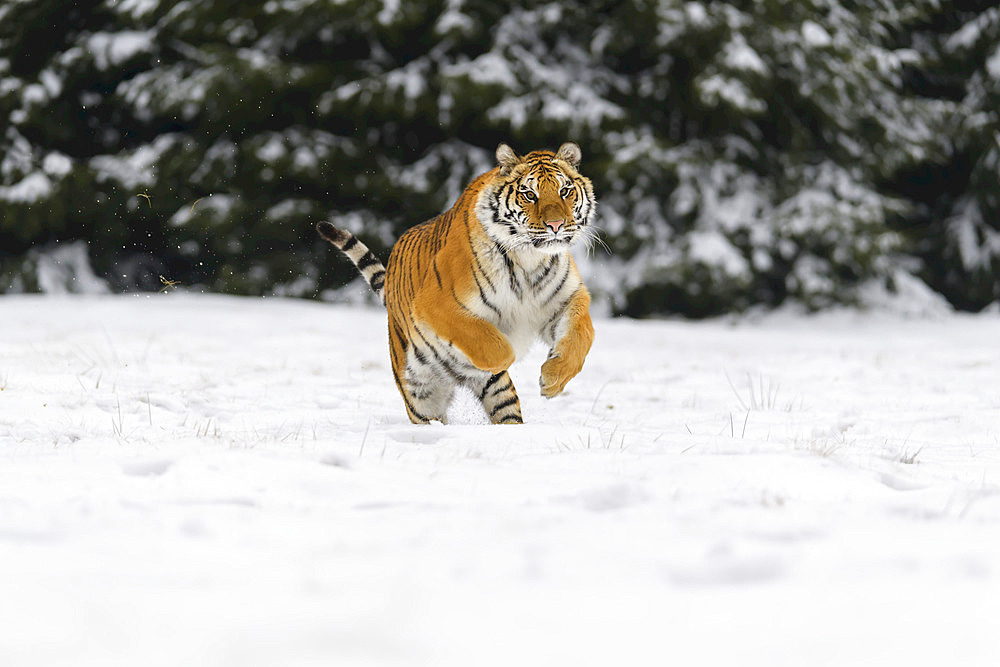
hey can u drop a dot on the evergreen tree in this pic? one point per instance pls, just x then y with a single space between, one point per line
955 225
744 151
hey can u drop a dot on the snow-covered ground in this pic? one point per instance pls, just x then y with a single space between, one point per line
201 480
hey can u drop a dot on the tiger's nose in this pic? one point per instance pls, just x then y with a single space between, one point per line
554 225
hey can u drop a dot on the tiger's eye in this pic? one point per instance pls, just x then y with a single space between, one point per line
565 192
529 195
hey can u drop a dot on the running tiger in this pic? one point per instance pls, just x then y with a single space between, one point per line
469 291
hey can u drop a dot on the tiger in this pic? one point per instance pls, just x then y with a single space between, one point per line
470 290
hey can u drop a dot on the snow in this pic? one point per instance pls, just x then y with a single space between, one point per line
977 243
490 68
205 480
390 12
135 169
170 88
740 56
581 104
215 205
696 13
111 49
272 150
30 189
136 8
51 82
712 249
65 268
454 18
993 64
411 79
34 94
815 35
288 208
446 168
719 88
911 297
293 6
9 84
57 164
970 33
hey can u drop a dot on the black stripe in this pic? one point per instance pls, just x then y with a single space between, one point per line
482 297
397 353
399 254
514 284
402 243
511 419
511 199
351 242
420 333
502 251
443 232
400 334
408 275
395 376
416 384
500 390
489 383
479 265
459 360
561 283
459 302
552 330
559 311
428 345
447 367
368 260
548 269
406 401
422 395
409 406
506 404
437 274
378 280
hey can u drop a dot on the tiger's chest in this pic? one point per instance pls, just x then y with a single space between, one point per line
523 295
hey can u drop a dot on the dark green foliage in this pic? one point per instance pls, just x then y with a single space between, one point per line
744 152
956 226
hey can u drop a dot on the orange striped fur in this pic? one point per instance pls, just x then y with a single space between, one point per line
470 290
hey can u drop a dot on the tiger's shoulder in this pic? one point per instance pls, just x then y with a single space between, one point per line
442 243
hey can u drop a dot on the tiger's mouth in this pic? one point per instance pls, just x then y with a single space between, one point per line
549 241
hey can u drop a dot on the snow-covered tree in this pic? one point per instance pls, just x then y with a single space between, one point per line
744 151
956 227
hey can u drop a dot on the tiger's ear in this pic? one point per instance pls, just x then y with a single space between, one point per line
570 152
506 158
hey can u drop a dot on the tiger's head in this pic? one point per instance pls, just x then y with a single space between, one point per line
538 201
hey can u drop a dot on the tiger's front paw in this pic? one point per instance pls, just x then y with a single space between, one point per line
493 355
556 372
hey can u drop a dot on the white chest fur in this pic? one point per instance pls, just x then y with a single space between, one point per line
523 293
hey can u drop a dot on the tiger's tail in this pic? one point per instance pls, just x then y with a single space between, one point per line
371 269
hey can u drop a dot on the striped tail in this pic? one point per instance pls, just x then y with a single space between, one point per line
363 258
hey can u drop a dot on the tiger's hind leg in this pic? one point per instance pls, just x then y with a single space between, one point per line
427 399
426 394
498 397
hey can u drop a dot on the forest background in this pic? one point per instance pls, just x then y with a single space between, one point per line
745 153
